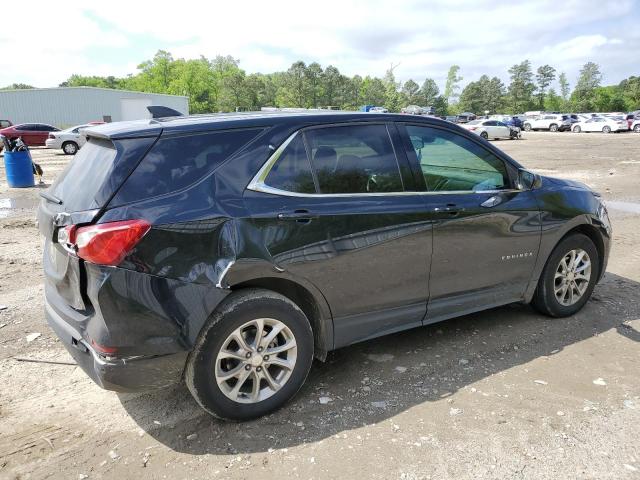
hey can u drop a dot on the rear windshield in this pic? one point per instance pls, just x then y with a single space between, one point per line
177 162
79 183
97 171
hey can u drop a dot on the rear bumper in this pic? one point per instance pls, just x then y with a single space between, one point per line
126 374
132 331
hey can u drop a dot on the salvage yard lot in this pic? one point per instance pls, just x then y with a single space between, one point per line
505 393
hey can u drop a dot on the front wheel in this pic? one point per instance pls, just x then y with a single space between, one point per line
553 127
253 355
637 128
568 278
577 129
484 135
527 127
606 129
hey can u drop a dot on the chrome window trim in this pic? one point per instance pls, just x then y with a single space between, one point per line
257 183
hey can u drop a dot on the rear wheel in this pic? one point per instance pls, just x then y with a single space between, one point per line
70 148
577 129
527 127
484 135
553 127
637 128
606 129
252 356
568 278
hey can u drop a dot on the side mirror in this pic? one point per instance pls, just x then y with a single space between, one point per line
528 180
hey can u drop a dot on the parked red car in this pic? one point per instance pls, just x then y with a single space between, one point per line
33 134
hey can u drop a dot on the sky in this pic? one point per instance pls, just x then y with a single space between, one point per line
423 38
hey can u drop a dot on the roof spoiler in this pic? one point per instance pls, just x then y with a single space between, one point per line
158 111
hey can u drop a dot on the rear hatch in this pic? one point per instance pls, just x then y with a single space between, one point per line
78 197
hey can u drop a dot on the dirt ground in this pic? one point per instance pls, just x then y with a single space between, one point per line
506 393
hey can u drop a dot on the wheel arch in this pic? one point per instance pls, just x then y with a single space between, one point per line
583 224
314 306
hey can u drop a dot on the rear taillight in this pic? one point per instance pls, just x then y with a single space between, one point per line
471 128
106 243
52 136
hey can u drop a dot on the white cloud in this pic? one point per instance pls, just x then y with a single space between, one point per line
363 37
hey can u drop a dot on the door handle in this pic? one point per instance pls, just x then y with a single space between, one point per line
301 216
450 209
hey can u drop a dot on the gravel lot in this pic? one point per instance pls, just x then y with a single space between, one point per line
505 393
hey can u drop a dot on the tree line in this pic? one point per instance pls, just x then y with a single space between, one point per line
220 85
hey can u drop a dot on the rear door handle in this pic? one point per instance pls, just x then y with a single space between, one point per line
301 216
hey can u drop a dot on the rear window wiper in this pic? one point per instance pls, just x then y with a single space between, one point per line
51 198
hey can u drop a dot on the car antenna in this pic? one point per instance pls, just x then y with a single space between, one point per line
159 111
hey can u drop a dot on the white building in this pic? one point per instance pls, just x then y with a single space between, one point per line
67 106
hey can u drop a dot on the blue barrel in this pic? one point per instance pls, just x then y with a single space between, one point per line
19 169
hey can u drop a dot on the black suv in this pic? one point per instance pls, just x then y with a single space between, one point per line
230 250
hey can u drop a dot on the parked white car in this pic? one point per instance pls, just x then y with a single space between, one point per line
488 128
378 110
600 124
69 140
551 122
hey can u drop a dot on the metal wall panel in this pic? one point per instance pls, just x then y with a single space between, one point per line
68 106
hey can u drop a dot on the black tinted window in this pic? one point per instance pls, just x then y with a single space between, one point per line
177 162
292 170
27 127
451 162
354 159
79 182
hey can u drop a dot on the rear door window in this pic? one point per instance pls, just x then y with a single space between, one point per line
346 159
354 159
176 162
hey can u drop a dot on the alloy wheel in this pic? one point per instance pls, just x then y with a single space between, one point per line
572 277
256 360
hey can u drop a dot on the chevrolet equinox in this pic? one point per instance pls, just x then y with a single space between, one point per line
232 250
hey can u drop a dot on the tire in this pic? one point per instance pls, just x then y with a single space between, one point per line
606 129
637 128
527 127
70 148
484 135
545 298
553 127
240 311
577 129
